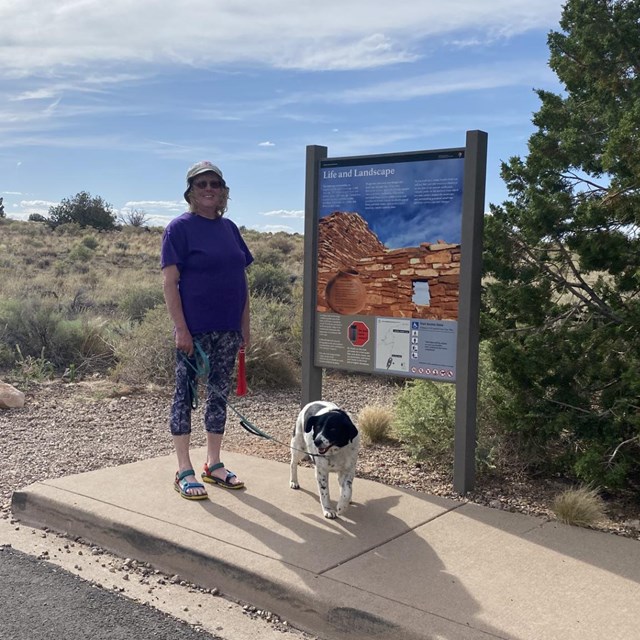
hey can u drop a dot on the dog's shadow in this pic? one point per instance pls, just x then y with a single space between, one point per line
286 533
367 540
306 538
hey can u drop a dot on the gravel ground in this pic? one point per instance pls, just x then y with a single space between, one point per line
71 428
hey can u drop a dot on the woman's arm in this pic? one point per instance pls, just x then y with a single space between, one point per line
170 280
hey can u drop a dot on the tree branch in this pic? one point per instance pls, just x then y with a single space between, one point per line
615 451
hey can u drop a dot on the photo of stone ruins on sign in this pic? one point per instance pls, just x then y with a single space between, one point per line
358 275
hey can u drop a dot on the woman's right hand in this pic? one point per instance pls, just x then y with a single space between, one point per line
184 341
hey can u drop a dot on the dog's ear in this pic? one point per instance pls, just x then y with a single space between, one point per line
351 428
310 423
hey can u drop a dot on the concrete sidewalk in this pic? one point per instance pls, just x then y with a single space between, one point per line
399 564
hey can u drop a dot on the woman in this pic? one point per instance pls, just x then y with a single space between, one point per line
204 258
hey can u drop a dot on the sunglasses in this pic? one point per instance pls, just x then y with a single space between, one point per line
213 184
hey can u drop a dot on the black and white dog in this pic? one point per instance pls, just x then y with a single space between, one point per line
326 434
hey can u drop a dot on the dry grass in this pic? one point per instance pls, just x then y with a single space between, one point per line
111 280
581 507
374 422
103 266
38 261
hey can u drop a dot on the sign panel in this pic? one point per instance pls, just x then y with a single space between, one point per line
388 263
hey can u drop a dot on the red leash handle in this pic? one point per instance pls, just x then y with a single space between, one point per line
241 388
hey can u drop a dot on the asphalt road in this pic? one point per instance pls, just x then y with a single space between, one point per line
45 556
40 601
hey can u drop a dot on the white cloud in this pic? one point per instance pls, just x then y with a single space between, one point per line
23 209
506 74
26 204
153 205
283 213
370 51
158 221
267 143
92 83
47 36
274 228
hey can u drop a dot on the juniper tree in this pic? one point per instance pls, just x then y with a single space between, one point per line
562 256
85 210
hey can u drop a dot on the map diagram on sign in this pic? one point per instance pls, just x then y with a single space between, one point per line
392 344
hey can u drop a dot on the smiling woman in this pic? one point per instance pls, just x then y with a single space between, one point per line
204 258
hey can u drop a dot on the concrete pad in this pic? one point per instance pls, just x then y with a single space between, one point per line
400 564
268 545
510 575
268 517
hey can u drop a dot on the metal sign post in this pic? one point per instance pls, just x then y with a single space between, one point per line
311 374
464 466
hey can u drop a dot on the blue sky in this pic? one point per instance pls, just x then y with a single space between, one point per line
119 98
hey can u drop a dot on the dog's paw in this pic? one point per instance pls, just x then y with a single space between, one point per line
294 485
330 513
342 507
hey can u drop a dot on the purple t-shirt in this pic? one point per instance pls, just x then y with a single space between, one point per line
211 257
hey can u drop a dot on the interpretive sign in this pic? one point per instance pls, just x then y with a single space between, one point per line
389 231
392 271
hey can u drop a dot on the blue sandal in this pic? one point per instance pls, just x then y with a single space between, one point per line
207 476
182 486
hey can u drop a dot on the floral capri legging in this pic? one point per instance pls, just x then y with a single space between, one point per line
221 348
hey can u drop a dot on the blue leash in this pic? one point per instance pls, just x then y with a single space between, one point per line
199 363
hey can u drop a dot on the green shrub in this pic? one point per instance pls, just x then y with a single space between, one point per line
80 253
425 417
268 364
39 328
146 353
69 229
90 242
29 325
283 242
7 356
82 342
30 369
138 300
295 333
279 320
593 464
270 358
269 280
264 254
